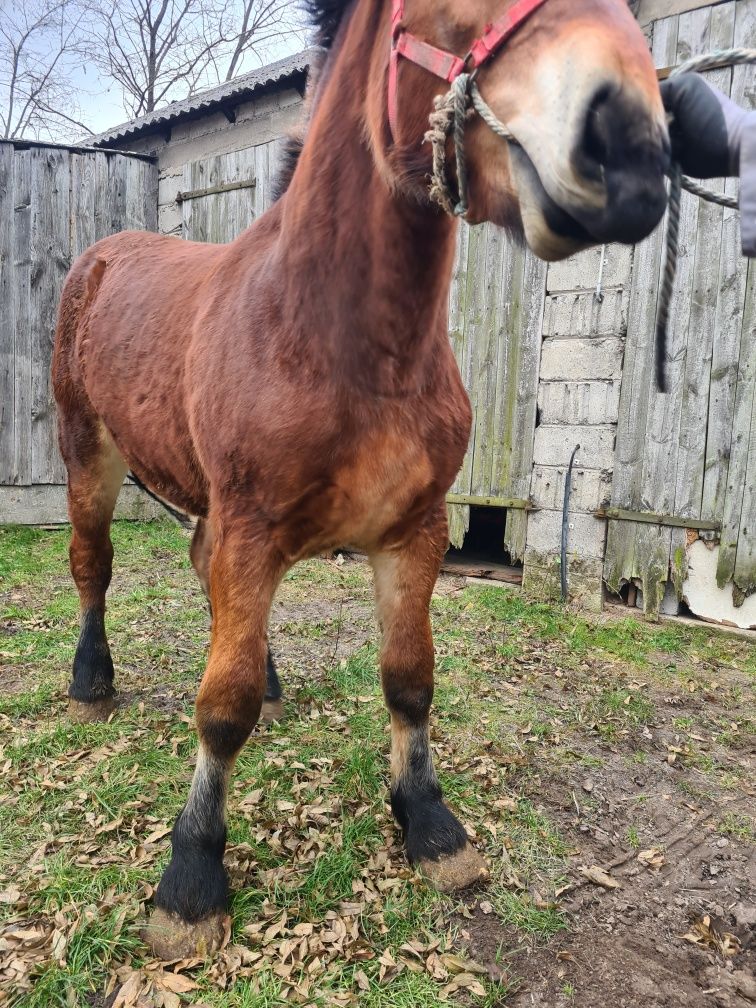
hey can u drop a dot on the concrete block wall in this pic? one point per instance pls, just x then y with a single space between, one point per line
578 399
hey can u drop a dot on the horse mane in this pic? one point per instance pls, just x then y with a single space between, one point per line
327 17
287 164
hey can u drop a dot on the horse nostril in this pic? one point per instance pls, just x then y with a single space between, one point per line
596 147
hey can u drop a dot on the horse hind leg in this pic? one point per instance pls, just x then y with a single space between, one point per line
200 553
95 473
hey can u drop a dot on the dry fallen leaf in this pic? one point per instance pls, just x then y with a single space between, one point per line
599 877
176 982
128 995
652 858
702 932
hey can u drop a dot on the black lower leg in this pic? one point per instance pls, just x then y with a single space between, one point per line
430 830
195 885
93 666
272 683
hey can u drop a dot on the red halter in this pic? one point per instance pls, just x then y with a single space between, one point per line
444 64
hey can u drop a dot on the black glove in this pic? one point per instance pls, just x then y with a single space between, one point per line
706 128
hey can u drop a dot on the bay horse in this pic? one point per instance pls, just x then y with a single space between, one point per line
296 389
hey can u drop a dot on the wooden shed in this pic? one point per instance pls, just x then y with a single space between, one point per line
54 202
662 500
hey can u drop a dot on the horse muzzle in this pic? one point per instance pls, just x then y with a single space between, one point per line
625 153
609 188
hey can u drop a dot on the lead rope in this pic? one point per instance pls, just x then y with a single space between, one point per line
449 118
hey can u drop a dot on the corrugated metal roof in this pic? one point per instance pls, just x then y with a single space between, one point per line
237 89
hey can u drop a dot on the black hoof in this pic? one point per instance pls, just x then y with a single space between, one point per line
431 831
195 884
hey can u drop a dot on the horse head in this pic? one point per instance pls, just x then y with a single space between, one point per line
573 81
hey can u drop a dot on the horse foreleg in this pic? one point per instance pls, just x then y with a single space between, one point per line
435 840
200 553
192 896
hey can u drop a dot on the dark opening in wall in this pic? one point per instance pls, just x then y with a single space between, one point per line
483 553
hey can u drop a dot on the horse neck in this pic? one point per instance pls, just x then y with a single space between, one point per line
369 268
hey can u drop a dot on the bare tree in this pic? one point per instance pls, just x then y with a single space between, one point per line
42 45
160 50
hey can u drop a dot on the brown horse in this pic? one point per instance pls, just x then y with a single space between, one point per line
296 388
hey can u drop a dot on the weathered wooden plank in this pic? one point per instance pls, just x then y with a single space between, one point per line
517 503
651 10
507 331
652 518
730 304
484 327
733 368
150 180
229 204
116 194
694 407
7 321
83 202
22 314
737 553
623 556
259 160
654 543
50 260
45 504
524 420
134 196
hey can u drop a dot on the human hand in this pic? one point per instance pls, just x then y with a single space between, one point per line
706 127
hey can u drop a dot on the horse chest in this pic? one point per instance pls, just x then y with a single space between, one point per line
382 491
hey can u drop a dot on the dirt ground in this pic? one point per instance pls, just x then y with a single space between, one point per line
663 934
606 768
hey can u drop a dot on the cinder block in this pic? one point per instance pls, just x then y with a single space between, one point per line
581 272
591 488
583 402
169 220
585 538
576 314
554 445
541 580
170 183
583 359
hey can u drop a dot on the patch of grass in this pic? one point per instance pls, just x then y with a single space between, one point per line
740 827
616 709
518 911
91 946
516 684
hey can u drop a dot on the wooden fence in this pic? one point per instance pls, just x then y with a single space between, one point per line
690 454
54 202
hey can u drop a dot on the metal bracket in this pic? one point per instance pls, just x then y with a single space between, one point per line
513 503
191 194
651 518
